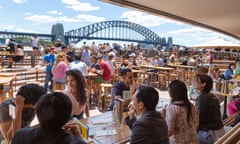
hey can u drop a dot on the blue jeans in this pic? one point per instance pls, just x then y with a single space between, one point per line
205 137
48 78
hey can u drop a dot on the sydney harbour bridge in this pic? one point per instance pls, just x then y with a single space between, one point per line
107 30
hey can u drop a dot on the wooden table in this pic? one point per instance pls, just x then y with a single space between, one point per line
122 135
225 101
5 54
7 79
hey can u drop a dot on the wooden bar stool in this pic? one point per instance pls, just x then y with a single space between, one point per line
162 80
153 79
105 96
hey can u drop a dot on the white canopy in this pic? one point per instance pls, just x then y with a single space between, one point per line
219 15
218 43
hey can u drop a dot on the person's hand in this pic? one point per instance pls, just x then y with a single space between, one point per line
19 102
73 128
133 86
132 111
164 109
117 97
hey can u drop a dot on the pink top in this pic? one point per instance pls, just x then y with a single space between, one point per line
59 70
183 132
77 109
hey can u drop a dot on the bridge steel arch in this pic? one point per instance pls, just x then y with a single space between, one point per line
85 32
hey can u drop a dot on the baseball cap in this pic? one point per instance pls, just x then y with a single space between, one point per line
132 55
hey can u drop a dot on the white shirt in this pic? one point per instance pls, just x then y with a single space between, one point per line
79 65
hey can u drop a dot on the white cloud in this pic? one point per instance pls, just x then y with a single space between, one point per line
54 12
90 18
79 6
15 29
27 13
70 2
20 1
54 19
145 19
0 7
188 31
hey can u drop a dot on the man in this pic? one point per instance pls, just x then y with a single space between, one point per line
49 61
53 112
104 74
22 112
11 50
86 55
79 65
150 127
125 86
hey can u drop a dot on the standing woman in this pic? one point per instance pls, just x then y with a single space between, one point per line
59 71
229 73
181 115
210 122
76 91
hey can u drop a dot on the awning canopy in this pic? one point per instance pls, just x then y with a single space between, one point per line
219 15
218 43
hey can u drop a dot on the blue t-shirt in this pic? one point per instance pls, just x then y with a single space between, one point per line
118 89
50 60
228 74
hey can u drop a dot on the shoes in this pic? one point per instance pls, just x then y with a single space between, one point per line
9 67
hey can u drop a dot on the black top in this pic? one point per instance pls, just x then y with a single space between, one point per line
150 128
11 47
209 112
41 136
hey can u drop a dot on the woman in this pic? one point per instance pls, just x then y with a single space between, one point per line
76 91
210 122
229 72
59 70
181 116
214 73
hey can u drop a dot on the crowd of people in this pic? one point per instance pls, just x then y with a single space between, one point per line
180 122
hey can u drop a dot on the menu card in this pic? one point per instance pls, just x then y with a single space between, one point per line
105 132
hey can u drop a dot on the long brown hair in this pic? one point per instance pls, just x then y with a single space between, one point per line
81 85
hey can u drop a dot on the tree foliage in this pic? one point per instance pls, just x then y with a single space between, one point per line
27 40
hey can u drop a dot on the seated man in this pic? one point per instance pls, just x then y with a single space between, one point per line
125 86
19 53
104 74
24 103
53 112
150 127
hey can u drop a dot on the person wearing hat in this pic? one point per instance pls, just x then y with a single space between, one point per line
133 63
58 45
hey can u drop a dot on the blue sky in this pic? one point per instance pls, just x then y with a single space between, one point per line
39 16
